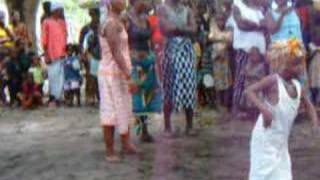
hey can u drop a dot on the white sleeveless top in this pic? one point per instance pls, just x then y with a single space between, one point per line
245 40
269 153
284 112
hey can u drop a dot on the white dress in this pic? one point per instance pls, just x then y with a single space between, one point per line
269 154
245 40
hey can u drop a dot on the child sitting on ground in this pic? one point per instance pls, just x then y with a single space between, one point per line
37 71
30 96
73 78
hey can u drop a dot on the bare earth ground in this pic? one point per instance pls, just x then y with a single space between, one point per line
66 144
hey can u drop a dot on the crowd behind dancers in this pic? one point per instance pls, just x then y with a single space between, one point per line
224 42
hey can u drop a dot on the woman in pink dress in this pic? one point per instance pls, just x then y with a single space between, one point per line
115 84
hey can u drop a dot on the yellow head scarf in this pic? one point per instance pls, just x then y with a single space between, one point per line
283 51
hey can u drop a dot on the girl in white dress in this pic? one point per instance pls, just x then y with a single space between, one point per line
269 154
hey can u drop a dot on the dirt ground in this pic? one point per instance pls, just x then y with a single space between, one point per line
66 144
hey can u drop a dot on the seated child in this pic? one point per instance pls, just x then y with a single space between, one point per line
37 71
73 78
30 97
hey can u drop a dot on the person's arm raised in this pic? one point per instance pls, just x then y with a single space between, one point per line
252 94
272 25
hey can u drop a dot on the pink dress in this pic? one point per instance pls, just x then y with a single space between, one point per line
115 99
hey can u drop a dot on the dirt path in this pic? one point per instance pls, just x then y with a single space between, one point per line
66 144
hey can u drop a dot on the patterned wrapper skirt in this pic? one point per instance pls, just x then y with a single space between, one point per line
241 60
179 74
115 103
314 68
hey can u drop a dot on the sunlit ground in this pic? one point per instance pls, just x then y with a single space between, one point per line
67 144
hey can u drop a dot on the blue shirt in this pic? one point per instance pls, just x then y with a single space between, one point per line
290 28
72 69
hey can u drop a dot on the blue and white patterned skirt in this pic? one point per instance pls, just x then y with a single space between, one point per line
179 74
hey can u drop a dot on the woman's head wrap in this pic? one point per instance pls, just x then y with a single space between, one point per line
281 52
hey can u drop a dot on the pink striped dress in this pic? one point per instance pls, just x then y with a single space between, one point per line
115 99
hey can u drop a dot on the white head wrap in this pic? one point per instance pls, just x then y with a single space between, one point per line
56 6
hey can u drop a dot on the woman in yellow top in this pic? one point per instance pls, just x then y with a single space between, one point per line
6 35
20 30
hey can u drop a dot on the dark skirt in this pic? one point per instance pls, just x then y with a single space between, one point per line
179 74
241 60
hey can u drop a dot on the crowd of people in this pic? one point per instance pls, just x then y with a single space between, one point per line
177 55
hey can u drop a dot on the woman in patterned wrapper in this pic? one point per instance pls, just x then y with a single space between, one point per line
177 22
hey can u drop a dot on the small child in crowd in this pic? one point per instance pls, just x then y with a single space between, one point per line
221 39
37 71
254 72
73 78
30 96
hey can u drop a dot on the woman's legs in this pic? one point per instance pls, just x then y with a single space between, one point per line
167 117
97 97
2 92
224 98
314 95
127 146
108 132
239 86
145 136
67 97
13 90
210 96
189 121
77 93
